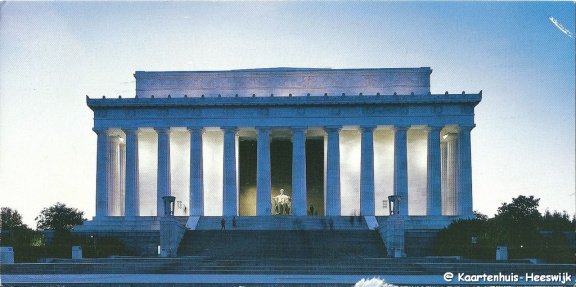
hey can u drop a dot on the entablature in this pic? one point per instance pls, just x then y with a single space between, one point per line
286 111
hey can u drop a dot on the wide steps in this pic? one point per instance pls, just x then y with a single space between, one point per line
283 223
234 244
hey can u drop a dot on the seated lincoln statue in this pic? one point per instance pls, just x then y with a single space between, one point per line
281 204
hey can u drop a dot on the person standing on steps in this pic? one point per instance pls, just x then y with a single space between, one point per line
234 221
223 224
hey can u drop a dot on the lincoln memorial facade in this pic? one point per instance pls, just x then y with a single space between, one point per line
337 142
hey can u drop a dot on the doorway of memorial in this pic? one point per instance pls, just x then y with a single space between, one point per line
281 176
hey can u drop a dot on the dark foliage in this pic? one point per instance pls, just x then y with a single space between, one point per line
558 221
517 225
11 219
468 238
59 217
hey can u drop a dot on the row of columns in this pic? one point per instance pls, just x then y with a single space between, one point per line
460 185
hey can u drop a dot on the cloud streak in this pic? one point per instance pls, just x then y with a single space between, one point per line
560 27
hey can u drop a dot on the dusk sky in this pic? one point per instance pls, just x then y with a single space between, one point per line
53 54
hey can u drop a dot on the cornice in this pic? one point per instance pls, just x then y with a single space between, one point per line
440 99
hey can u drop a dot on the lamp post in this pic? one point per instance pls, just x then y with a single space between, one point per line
394 204
169 205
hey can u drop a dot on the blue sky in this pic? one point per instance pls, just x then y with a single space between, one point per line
54 53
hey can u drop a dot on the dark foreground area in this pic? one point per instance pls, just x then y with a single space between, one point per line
345 271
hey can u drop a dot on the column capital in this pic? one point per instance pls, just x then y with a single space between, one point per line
434 128
116 139
229 129
162 130
400 127
465 127
332 129
367 128
196 128
299 129
262 129
130 131
100 131
450 136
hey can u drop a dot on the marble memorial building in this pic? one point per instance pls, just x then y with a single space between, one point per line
336 141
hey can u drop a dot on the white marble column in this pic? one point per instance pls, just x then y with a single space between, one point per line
101 172
367 206
465 208
163 187
434 173
230 196
122 186
452 174
333 207
444 184
196 172
401 168
132 197
263 176
114 176
299 171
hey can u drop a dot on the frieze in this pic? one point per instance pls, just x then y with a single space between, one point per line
390 110
467 110
403 110
130 113
229 111
368 110
300 111
263 111
162 112
334 111
195 112
100 113
437 109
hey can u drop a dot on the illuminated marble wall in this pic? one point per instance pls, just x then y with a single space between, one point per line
417 170
383 169
148 167
350 171
180 170
213 156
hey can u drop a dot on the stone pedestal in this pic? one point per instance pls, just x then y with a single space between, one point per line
7 255
395 236
76 252
171 233
502 253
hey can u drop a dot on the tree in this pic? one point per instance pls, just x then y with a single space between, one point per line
522 209
516 225
557 221
469 238
480 216
11 219
59 217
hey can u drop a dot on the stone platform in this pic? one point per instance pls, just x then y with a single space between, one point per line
202 271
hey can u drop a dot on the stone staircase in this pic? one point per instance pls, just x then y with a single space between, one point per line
282 237
283 223
251 244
